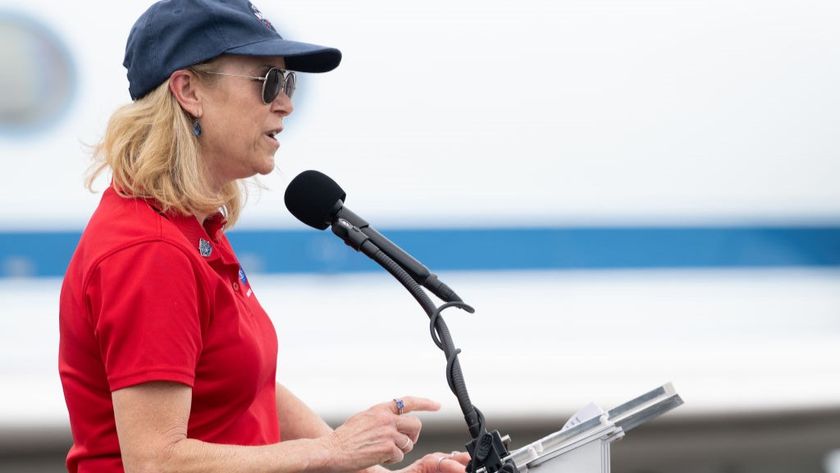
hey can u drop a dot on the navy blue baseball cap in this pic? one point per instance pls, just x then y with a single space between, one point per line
175 34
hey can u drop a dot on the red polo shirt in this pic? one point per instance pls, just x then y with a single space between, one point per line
152 297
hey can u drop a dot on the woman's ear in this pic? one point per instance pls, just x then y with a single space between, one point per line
184 86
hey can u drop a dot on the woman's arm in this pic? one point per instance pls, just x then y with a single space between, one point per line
152 421
297 420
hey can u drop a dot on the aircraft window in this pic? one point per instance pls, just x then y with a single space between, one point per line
37 77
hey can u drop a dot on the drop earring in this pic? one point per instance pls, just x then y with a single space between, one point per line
196 128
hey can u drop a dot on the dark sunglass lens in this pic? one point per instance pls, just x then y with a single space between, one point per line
290 84
271 88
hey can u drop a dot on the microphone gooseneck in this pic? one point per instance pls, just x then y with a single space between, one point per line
318 201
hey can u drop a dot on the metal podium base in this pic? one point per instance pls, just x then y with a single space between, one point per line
585 448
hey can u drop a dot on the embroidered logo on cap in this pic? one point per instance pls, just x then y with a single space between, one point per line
262 19
204 247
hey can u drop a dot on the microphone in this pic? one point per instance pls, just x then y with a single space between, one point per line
318 201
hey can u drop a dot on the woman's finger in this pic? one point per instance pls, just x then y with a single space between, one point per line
445 463
450 465
412 403
409 425
460 457
404 443
397 456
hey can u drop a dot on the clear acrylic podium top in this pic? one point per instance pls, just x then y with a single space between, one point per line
585 448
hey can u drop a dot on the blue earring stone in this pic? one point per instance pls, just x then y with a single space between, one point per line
196 127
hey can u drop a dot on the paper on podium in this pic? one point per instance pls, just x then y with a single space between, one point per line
589 411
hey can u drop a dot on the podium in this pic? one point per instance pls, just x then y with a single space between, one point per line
585 448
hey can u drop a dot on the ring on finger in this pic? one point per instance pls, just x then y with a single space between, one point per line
440 460
406 444
400 404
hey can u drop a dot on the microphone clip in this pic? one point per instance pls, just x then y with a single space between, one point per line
349 233
488 452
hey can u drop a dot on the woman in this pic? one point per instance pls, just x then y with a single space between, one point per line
167 358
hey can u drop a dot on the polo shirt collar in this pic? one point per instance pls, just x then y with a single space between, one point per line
207 239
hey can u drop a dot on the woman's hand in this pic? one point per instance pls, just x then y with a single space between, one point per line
454 462
377 436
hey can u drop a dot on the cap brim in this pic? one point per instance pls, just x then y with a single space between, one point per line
303 57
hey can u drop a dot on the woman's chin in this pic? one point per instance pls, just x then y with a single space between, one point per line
266 166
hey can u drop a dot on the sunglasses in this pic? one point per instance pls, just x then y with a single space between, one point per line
274 81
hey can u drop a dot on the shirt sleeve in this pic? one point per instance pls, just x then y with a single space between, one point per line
144 305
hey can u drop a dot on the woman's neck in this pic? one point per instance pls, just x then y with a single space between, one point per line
201 217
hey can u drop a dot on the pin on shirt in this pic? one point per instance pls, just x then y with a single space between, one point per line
244 279
204 247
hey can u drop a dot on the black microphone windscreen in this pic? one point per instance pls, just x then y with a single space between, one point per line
311 197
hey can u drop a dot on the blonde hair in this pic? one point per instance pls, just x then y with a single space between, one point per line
151 150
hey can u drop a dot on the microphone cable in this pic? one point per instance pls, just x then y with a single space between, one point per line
440 335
